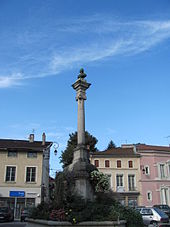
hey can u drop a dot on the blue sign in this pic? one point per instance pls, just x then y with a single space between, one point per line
16 193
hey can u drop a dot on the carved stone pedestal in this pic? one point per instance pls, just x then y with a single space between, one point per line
80 171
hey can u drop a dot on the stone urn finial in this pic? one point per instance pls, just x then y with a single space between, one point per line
82 75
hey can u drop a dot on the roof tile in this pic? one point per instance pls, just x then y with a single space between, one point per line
22 144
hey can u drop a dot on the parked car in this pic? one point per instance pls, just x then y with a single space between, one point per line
153 215
164 208
25 212
6 214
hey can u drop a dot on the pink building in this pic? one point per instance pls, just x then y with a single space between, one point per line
155 174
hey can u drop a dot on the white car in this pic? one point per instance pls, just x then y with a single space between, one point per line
153 215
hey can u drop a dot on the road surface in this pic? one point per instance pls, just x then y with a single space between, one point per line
13 224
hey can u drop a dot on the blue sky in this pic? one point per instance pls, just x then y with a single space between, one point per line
124 47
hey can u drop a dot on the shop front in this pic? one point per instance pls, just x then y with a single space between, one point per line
17 200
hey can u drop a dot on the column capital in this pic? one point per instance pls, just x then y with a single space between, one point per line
81 86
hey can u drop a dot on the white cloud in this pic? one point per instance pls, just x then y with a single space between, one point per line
87 40
117 39
9 81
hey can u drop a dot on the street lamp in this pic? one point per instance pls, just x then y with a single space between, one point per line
45 170
55 146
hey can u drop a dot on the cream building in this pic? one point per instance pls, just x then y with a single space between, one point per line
24 172
123 167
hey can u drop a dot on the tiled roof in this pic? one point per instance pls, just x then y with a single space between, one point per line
151 147
125 152
22 144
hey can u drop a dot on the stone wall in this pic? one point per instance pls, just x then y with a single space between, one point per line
42 223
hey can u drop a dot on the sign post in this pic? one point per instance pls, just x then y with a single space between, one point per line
15 207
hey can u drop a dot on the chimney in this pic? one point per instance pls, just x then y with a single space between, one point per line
43 138
31 138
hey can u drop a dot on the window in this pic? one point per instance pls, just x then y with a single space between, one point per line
131 182
146 168
12 153
146 211
162 171
96 163
31 154
10 173
132 202
130 164
119 180
118 163
149 196
30 174
164 196
169 169
122 202
107 163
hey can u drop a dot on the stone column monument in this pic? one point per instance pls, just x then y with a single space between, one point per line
81 86
81 167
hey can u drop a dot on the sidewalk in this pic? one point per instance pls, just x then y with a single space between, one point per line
160 225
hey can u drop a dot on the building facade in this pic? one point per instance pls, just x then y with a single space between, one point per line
155 174
123 167
24 172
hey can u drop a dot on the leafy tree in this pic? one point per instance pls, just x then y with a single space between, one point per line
67 155
111 145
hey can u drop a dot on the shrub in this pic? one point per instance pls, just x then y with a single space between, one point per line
100 181
42 211
104 208
75 209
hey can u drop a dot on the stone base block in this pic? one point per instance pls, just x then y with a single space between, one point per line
43 223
